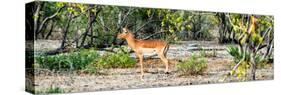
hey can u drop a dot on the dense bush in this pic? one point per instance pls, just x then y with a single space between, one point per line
118 60
73 60
85 60
238 55
245 62
192 66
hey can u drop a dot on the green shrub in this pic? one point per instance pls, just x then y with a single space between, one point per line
118 60
87 61
192 66
121 59
73 60
262 63
91 69
205 53
30 88
238 55
241 71
235 53
171 39
54 90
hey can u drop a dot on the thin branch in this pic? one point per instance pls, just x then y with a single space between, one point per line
232 24
104 25
243 58
145 24
48 18
258 47
126 15
153 35
236 66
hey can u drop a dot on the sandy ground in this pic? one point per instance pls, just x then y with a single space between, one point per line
129 78
115 79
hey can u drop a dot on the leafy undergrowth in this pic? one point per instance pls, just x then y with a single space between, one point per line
195 65
119 60
110 60
73 61
50 90
85 60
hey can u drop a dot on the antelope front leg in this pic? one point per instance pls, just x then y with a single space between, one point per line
141 64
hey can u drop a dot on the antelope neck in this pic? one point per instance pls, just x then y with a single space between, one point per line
131 41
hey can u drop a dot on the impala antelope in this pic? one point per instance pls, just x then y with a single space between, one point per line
145 46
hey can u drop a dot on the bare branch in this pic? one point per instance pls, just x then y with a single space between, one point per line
47 19
259 45
232 24
145 25
153 35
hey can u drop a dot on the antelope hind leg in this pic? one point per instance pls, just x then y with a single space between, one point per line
165 60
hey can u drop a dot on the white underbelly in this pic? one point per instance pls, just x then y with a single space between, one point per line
148 51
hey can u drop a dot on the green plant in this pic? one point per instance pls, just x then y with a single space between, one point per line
118 60
241 70
172 39
262 63
91 68
245 62
54 90
73 60
235 53
205 53
30 88
214 53
192 66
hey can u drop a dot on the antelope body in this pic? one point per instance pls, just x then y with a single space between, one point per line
145 46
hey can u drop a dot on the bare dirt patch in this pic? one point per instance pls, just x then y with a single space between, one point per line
114 79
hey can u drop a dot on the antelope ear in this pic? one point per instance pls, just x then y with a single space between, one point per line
125 30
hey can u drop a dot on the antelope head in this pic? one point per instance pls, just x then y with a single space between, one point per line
125 34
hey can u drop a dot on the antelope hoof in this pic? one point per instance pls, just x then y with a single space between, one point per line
141 77
167 72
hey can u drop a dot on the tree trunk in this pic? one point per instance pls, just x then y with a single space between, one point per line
92 17
118 28
253 66
36 17
43 23
268 47
51 30
66 31
233 36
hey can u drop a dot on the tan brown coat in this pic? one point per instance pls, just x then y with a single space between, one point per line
142 46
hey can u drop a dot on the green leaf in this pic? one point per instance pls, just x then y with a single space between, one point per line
60 4
243 39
